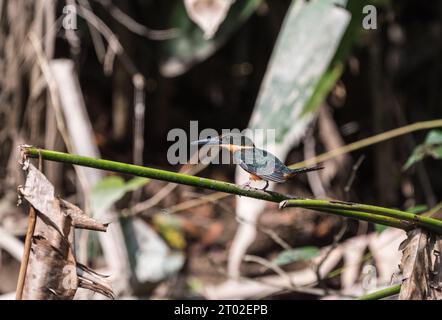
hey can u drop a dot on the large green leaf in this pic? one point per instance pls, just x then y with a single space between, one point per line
190 46
336 66
310 36
111 189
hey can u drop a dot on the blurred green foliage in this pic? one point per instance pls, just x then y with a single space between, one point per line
294 255
111 189
432 147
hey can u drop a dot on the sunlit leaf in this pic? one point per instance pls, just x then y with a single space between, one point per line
169 227
432 147
434 137
297 65
111 189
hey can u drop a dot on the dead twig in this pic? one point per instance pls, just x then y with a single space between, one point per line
32 218
353 176
135 27
269 265
27 250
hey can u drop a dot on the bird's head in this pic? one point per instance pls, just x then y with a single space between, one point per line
231 141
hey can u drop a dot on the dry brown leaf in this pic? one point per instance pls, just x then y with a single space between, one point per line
208 14
79 219
421 266
89 279
52 271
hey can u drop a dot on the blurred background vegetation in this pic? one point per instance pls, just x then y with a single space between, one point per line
305 68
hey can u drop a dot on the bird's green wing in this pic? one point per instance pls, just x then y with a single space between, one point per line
261 163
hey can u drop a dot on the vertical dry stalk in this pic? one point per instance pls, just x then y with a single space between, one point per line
32 219
26 252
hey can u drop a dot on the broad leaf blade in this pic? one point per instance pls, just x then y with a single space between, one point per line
191 47
310 35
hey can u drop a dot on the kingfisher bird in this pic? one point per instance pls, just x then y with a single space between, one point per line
260 164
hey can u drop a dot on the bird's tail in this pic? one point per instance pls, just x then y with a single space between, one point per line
294 172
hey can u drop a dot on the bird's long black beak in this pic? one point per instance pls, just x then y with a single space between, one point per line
210 141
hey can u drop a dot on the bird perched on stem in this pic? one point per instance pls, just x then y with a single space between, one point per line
260 164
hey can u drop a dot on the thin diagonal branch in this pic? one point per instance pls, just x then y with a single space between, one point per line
386 216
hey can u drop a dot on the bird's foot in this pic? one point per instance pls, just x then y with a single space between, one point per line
266 186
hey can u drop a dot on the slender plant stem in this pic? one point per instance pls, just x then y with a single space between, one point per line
370 141
383 293
26 252
425 222
390 217
154 174
365 216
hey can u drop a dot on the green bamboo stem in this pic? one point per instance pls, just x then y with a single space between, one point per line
421 221
365 216
383 293
390 217
154 174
